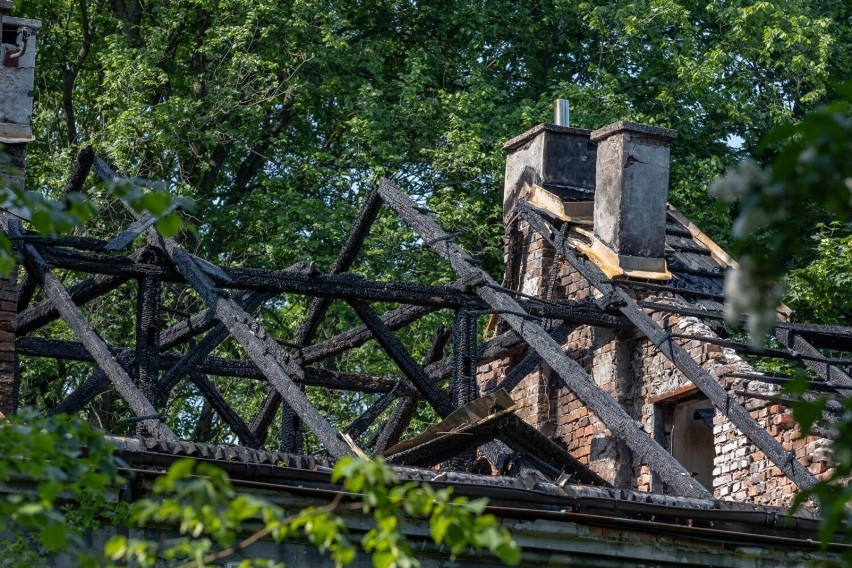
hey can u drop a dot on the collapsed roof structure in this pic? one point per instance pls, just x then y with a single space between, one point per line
609 351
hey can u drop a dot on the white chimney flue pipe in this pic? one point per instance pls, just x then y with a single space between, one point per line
561 112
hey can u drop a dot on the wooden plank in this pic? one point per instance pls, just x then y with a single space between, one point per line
708 385
61 299
598 401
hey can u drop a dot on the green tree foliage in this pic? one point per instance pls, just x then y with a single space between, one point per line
213 519
276 117
59 474
809 177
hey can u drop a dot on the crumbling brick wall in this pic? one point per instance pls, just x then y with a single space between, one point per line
639 376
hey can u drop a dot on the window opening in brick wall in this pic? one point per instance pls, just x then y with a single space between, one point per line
685 428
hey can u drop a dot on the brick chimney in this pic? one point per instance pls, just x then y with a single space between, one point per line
17 72
631 189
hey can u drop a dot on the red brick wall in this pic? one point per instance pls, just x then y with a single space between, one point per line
8 299
638 376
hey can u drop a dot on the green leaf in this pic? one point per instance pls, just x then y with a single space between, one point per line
169 225
807 413
54 537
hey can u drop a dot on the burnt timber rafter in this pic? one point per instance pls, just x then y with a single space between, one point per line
409 367
301 279
262 349
291 437
217 366
575 378
198 352
799 345
366 419
708 385
60 298
393 429
44 312
212 395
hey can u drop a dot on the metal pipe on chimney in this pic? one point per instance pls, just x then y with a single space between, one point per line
561 112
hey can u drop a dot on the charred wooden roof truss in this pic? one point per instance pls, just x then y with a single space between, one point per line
145 373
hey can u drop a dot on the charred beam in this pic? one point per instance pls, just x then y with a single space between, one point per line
56 292
366 419
813 358
218 366
80 171
529 363
344 260
198 352
351 339
396 425
291 440
66 241
80 294
464 385
834 337
26 292
212 395
148 335
598 401
399 355
96 263
661 338
524 438
340 286
275 363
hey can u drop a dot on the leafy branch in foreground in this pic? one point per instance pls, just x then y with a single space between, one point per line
214 522
810 176
811 170
59 473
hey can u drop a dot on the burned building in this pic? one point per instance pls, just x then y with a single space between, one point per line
608 413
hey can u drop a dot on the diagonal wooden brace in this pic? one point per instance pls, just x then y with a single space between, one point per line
598 401
708 385
61 300
263 350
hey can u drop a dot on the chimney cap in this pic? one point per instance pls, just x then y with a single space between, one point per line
665 134
520 139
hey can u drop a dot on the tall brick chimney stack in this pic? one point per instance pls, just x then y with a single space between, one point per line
17 73
631 189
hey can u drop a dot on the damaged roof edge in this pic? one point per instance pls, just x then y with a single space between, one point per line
540 500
